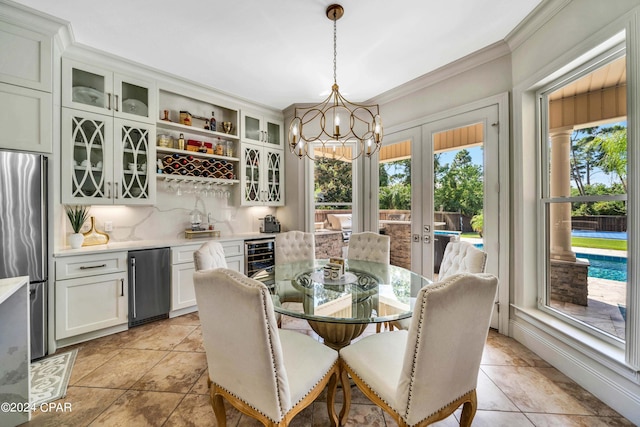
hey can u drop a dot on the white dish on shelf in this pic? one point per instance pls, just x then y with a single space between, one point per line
88 95
135 106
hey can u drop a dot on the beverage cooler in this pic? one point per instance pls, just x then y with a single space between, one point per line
258 255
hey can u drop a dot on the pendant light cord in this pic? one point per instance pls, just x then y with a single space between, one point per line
335 43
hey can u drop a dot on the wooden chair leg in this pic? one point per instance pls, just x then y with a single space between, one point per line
469 411
218 409
331 400
346 396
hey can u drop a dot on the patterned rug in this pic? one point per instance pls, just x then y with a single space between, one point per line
50 376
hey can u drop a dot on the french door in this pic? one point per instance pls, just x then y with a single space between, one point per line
461 150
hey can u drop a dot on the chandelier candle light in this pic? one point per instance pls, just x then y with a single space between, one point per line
316 130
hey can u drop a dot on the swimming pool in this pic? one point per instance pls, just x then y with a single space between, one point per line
606 266
601 266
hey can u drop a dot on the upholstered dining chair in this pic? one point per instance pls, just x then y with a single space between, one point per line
462 257
459 257
423 375
264 372
298 249
369 246
209 255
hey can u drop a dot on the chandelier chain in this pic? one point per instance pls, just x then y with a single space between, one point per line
335 44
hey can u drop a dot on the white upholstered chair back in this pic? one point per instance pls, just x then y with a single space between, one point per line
209 255
294 246
241 340
369 246
462 257
444 345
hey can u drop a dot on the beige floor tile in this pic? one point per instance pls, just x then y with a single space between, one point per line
490 397
88 359
201 386
123 370
192 342
551 420
162 337
87 403
359 415
177 373
500 419
501 350
532 390
139 408
196 411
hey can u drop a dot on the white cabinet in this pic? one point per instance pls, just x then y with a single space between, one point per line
90 293
183 296
103 91
107 160
262 176
26 106
26 119
259 129
26 57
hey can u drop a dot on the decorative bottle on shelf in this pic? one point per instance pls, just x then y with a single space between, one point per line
181 142
212 122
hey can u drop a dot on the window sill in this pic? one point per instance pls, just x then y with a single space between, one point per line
597 350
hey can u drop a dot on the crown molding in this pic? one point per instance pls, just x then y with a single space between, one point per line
534 21
33 19
473 60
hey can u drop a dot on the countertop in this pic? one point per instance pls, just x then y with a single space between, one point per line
9 286
147 244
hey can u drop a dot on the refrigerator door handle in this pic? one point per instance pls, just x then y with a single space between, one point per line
133 285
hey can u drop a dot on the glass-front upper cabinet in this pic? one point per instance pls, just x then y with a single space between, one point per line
259 129
99 90
261 179
105 161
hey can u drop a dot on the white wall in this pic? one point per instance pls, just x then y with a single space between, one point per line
565 36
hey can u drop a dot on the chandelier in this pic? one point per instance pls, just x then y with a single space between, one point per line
335 127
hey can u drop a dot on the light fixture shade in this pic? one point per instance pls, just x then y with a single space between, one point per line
345 129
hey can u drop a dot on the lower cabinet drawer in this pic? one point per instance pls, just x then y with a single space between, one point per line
90 265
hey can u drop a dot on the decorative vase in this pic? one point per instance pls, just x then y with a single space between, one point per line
75 240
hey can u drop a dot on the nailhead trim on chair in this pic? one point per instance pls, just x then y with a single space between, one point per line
423 304
254 284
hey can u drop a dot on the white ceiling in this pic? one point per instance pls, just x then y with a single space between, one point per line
280 52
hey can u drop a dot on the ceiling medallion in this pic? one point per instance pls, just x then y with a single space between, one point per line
336 127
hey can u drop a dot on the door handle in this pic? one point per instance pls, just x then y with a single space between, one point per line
427 239
121 287
108 101
133 285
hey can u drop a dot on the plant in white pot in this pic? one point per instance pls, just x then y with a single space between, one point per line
77 217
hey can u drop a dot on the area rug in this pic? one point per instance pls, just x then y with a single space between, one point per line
50 376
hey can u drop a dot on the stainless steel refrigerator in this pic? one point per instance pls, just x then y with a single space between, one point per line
23 233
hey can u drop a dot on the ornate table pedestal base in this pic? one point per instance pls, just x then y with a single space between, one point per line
337 335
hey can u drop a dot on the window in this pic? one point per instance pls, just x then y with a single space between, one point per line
583 201
333 190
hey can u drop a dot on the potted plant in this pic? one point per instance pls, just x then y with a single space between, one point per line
77 217
477 222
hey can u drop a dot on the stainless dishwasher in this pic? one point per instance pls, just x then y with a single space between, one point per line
149 285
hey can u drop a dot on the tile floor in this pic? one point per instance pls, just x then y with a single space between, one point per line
155 375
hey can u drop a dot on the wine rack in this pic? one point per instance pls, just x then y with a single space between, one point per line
201 167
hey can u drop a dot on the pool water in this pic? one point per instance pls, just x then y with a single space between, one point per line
601 266
606 267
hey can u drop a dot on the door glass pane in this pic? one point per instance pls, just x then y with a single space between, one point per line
458 188
395 200
251 128
88 88
333 203
273 133
135 146
88 179
135 99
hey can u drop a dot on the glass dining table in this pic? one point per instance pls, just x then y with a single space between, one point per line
339 310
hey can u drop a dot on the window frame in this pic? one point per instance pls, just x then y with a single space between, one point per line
544 200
